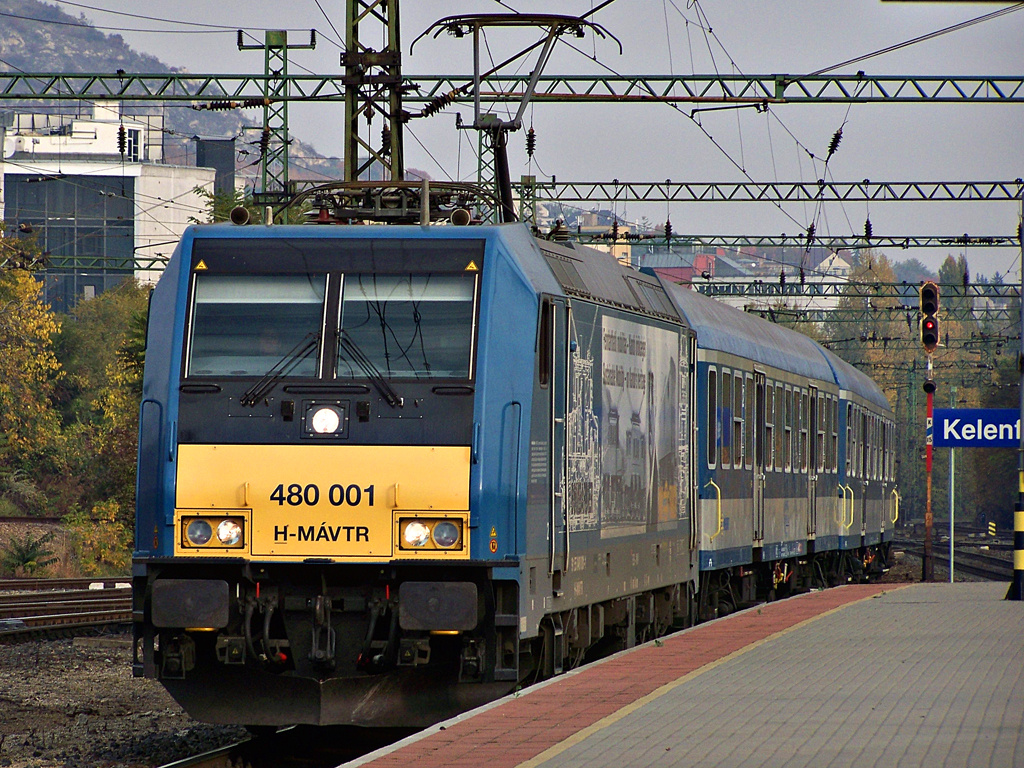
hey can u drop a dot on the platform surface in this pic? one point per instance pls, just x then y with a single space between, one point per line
866 675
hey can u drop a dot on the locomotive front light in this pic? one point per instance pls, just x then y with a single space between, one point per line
416 534
229 533
198 533
213 532
325 420
431 534
446 534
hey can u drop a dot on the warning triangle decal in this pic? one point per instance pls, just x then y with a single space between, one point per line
471 267
201 266
494 532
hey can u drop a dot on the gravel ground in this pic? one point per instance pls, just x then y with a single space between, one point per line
74 703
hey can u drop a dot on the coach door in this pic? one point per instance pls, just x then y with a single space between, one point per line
813 464
758 453
558 535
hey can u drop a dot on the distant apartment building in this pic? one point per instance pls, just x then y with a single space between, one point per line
98 214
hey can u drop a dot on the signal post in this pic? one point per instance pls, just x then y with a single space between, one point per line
929 327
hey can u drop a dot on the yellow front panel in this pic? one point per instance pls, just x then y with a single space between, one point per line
324 501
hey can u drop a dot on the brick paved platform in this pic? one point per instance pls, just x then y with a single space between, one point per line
866 675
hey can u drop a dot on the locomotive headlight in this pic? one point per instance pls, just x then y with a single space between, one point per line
416 534
446 534
325 420
198 533
229 533
214 532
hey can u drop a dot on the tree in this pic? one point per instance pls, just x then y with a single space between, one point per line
30 433
218 206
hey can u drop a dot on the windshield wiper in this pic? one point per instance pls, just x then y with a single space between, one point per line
357 356
281 368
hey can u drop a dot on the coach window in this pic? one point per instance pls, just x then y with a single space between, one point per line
780 431
835 435
407 326
819 442
726 457
249 325
748 413
849 439
865 446
737 420
788 420
713 418
769 427
805 421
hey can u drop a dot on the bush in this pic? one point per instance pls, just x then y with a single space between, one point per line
100 541
27 555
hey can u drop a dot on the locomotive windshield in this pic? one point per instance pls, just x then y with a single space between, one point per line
244 325
408 326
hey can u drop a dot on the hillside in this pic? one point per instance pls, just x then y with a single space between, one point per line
40 37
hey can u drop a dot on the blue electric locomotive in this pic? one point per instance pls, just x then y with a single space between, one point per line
387 473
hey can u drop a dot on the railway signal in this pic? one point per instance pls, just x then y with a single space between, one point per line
929 316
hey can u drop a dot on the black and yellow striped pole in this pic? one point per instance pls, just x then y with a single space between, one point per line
1017 585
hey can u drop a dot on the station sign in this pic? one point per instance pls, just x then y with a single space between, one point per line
976 428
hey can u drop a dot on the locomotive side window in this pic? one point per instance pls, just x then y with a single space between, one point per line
407 326
726 419
713 420
247 325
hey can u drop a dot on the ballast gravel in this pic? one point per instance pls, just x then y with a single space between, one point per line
73 703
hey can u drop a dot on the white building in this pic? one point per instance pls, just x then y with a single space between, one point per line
99 214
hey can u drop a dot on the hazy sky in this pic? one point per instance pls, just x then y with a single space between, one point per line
653 142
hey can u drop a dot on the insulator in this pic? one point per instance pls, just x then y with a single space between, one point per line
803 277
256 103
782 277
531 142
438 103
385 139
867 229
668 230
967 278
615 231
222 105
265 141
122 139
834 144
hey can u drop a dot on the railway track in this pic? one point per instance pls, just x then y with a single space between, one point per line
967 559
303 746
30 608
